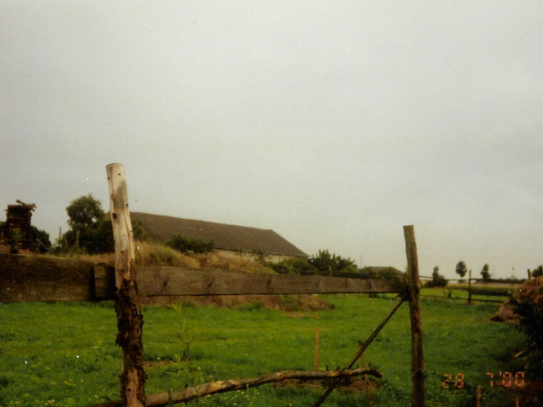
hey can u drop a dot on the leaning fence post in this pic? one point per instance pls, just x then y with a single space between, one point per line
129 317
417 354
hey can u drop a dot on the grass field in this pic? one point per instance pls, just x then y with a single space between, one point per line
64 354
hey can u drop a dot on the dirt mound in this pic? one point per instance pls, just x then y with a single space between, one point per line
289 303
506 314
531 290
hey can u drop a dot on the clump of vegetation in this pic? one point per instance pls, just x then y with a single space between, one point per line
187 245
323 263
437 279
326 264
527 302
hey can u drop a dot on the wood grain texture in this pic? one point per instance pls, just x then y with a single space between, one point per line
32 278
414 286
129 317
173 281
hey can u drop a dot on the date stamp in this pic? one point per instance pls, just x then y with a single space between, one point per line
504 379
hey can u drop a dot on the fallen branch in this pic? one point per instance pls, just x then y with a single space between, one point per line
223 386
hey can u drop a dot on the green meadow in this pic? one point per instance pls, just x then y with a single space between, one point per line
63 354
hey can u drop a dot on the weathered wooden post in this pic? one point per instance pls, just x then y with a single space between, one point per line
317 348
469 288
129 317
417 354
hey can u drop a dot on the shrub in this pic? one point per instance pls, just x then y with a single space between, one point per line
331 264
527 302
437 279
187 245
293 265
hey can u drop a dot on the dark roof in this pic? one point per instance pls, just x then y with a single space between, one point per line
229 237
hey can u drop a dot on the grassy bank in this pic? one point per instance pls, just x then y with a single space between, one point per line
64 354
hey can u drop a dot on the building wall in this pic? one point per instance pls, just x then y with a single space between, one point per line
273 258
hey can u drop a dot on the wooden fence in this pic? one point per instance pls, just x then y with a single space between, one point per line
487 290
26 278
33 278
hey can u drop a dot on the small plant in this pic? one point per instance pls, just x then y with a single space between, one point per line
185 338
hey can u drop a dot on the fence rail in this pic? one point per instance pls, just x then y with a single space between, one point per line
32 278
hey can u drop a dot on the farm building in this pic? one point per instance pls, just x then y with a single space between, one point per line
230 240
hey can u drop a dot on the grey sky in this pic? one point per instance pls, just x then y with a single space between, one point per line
334 123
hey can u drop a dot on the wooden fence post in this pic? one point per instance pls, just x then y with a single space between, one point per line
469 288
317 348
129 317
366 381
417 354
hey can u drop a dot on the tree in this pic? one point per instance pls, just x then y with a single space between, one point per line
461 269
437 279
90 231
485 273
85 211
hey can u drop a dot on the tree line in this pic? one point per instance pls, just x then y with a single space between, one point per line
461 269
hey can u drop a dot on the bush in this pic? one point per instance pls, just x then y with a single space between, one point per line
293 265
331 264
527 302
437 280
326 264
382 273
187 245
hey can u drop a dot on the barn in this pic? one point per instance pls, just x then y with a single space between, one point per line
230 240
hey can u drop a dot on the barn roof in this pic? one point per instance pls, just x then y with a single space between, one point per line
224 236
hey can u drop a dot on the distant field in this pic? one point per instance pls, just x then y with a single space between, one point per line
64 354
460 292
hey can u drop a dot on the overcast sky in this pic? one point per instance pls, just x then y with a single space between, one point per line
333 123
